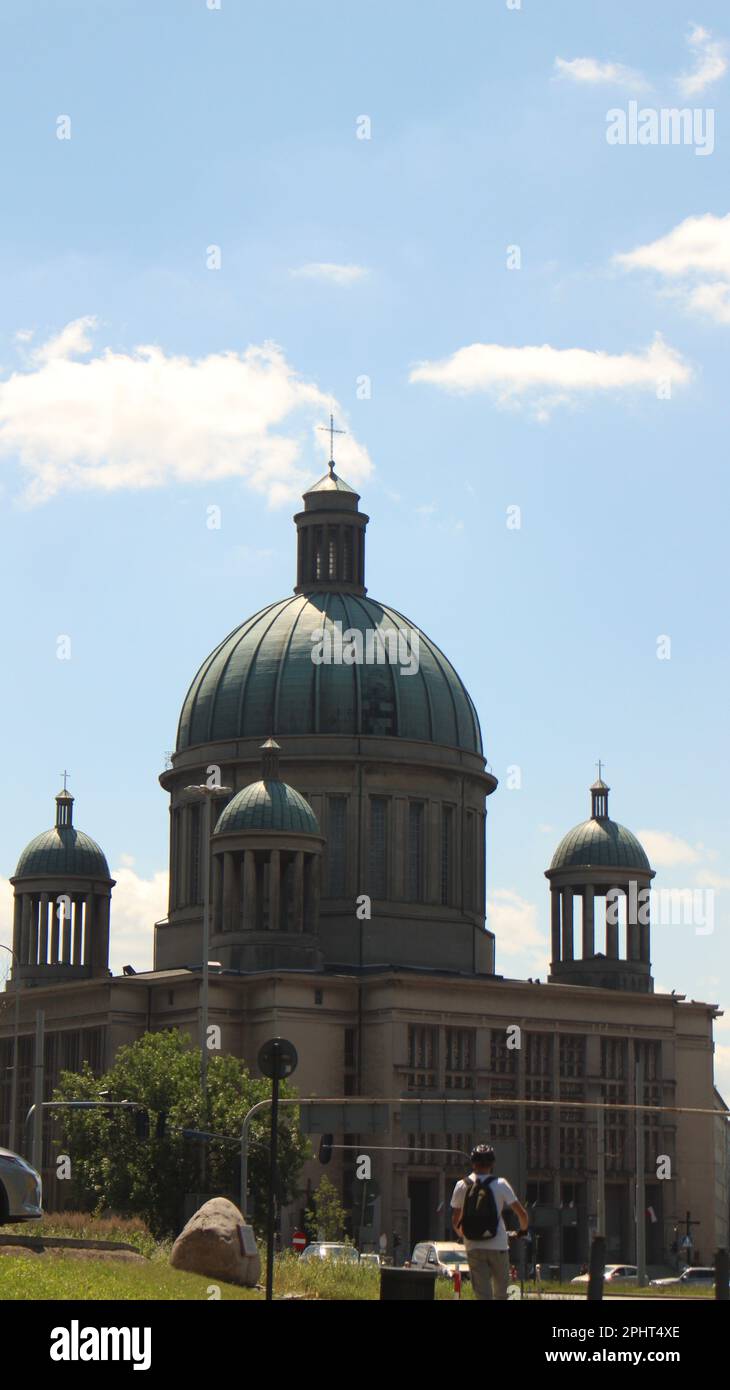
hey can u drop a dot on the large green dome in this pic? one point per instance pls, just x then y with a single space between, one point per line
61 851
600 843
268 805
261 680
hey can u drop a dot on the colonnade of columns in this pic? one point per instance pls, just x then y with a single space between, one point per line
265 890
563 923
52 928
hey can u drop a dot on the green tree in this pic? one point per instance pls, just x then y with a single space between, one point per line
326 1216
111 1168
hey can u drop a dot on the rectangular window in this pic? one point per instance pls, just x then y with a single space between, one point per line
572 1055
336 821
422 1056
415 851
460 1059
447 830
378 847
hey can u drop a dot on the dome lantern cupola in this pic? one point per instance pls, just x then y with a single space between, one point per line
331 537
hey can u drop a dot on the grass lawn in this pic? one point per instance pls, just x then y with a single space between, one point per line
59 1277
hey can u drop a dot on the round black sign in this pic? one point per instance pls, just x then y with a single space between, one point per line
278 1057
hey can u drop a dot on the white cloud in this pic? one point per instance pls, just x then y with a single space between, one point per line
695 258
331 272
137 903
592 72
699 244
665 850
141 419
711 62
550 375
514 921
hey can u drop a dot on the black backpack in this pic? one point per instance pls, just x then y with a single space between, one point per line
479 1215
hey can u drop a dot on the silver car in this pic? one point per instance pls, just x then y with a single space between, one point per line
21 1189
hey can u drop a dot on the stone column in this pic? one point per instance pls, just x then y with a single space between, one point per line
17 928
249 891
644 927
228 892
299 890
89 927
632 922
567 896
55 953
311 893
78 929
25 928
66 937
100 946
611 930
35 921
43 933
589 934
275 890
555 923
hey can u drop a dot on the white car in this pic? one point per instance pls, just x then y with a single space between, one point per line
444 1257
694 1274
328 1250
21 1189
370 1257
612 1274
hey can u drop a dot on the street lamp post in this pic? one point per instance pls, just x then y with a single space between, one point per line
207 794
14 1080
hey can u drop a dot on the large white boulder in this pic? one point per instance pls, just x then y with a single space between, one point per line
217 1242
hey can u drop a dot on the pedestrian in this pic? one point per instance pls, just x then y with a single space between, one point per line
477 1206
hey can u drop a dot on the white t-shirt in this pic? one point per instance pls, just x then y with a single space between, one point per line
503 1196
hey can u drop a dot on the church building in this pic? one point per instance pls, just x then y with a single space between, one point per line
342 832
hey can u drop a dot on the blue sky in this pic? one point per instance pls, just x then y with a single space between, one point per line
139 386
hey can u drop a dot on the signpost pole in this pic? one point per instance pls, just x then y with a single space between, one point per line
272 1183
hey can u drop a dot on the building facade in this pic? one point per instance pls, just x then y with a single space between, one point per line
347 792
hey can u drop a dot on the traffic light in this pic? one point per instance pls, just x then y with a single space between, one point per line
325 1148
142 1124
161 1125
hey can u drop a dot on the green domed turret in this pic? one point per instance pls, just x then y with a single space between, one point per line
268 805
62 850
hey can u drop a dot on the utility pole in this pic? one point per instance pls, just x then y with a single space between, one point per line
640 1195
14 1077
37 1158
601 1171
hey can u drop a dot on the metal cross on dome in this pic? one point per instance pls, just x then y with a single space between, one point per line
64 774
599 765
331 431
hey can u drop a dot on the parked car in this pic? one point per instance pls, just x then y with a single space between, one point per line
612 1274
370 1257
328 1250
21 1189
443 1256
693 1274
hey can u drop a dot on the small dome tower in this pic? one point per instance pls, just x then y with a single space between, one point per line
266 850
601 859
62 903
